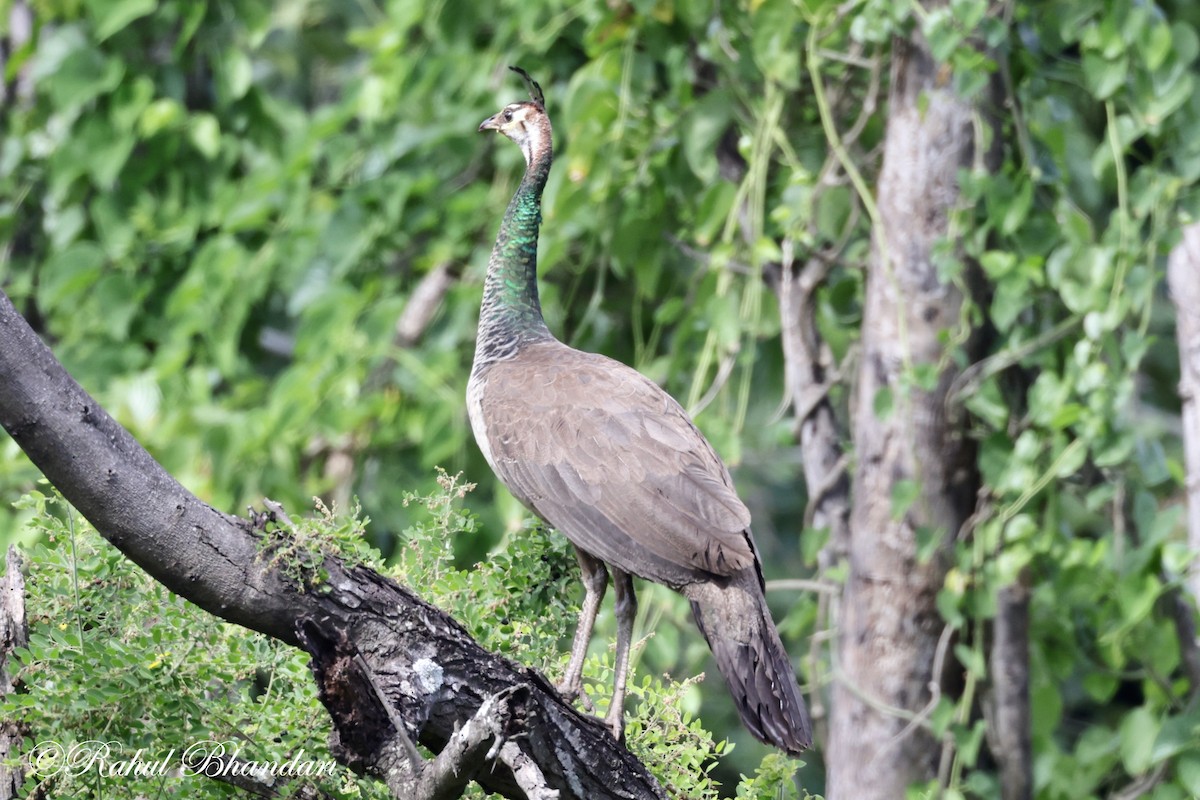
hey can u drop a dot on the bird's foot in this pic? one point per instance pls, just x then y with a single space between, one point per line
572 691
615 722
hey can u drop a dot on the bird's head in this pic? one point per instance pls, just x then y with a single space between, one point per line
526 123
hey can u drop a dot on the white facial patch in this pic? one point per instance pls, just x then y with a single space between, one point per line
523 129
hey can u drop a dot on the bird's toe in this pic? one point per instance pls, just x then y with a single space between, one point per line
572 691
615 722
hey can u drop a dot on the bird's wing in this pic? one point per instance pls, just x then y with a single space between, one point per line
613 462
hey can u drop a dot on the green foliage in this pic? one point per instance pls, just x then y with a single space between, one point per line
119 671
1080 474
297 548
517 601
1072 233
771 781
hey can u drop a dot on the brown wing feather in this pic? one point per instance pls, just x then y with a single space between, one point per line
612 461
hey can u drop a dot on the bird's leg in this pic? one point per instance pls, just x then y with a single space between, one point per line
626 611
595 581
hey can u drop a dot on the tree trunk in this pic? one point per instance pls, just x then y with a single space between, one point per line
1010 733
14 634
907 447
1183 276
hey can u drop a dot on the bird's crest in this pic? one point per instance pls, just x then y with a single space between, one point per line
535 91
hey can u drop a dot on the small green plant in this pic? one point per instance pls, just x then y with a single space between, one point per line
298 548
126 688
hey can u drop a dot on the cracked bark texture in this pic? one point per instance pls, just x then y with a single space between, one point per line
889 626
433 675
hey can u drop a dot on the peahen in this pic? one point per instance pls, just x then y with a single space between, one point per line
609 459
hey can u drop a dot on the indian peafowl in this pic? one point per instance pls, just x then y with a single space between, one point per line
609 459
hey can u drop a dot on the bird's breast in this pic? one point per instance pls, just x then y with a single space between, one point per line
475 389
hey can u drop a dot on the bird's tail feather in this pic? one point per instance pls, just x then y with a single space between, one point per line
741 634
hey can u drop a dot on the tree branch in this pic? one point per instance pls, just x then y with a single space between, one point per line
428 668
423 304
1183 277
1010 726
14 634
807 377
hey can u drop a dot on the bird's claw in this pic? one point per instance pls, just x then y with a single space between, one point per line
616 725
572 691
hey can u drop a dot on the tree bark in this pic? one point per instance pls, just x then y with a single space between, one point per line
808 382
820 435
1010 727
383 658
14 634
906 444
1183 277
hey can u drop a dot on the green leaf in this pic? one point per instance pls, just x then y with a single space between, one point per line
929 540
1010 300
1072 459
1139 729
205 133
904 493
83 74
972 660
159 115
1188 770
702 129
1101 686
1177 734
1186 42
882 403
1157 45
1018 209
713 210
988 404
1164 104
1104 76
949 607
117 294
996 263
102 151
114 15
773 43
942 32
235 74
832 210
70 274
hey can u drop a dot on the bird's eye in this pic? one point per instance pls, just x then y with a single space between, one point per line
508 116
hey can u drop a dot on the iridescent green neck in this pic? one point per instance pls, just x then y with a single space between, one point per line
511 315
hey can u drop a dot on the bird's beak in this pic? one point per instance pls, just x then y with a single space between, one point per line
492 123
